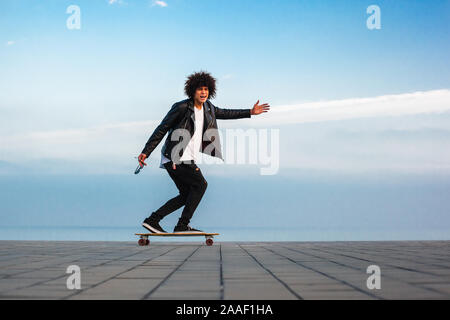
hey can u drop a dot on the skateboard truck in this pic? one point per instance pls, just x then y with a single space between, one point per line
209 240
143 241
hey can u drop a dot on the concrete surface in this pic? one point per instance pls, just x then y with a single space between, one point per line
226 270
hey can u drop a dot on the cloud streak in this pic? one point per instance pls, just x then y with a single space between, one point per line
158 3
423 102
117 2
389 105
92 142
327 145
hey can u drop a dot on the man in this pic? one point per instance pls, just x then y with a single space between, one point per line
192 128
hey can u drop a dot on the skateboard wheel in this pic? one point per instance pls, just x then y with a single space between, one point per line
209 242
147 242
141 242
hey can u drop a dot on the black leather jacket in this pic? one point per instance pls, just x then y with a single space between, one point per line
181 116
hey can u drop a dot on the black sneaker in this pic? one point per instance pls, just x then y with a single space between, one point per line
186 228
153 226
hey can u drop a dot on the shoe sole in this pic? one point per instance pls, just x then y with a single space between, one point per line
151 229
187 231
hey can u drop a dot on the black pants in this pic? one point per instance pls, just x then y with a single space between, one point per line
191 184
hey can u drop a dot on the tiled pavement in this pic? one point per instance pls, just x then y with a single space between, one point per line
227 270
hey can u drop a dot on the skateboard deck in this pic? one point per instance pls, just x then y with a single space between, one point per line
143 237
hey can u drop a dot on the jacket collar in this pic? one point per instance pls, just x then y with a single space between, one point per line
206 112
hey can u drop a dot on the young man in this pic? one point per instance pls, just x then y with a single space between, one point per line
192 128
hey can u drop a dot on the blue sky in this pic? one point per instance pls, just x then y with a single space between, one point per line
109 83
345 99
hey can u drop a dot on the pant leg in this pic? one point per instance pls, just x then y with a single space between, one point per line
192 176
176 202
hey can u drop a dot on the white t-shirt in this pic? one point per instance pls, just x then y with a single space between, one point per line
194 145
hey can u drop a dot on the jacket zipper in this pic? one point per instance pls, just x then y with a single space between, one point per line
183 129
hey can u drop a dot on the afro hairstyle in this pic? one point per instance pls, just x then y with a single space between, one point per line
200 79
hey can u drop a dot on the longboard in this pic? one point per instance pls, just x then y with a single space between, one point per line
143 237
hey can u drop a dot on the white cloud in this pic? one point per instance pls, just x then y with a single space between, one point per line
118 2
83 143
158 3
405 131
10 43
389 105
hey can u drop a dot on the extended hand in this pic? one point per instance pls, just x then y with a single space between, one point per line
259 108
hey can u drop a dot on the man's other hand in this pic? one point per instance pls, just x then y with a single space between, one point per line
259 108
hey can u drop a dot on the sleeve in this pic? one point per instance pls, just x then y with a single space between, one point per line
160 131
231 113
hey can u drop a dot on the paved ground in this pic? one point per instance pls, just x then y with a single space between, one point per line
262 270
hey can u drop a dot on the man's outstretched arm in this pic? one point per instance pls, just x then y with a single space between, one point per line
241 113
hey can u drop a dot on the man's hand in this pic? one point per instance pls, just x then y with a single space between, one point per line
259 108
141 159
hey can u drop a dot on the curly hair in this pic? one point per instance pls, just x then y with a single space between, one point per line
200 79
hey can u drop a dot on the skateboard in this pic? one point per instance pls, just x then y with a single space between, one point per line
144 241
